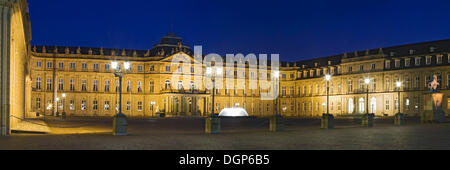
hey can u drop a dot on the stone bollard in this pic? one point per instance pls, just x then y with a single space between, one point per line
120 125
367 120
399 119
276 123
327 121
212 125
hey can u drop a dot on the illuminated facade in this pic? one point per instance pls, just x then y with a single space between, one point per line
86 78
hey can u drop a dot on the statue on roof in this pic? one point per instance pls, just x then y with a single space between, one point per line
78 50
67 51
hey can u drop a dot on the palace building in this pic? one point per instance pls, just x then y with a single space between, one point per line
80 82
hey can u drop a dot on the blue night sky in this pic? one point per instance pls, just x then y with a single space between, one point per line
296 30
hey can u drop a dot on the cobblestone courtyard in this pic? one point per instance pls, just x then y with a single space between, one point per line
245 134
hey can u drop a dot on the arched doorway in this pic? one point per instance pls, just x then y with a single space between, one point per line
373 105
361 105
350 106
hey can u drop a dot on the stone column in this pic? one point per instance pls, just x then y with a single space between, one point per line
5 26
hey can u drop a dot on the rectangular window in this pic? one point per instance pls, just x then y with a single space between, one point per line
107 67
72 85
60 84
38 103
417 82
95 105
387 105
139 88
350 86
152 87
49 84
61 65
95 66
83 105
167 68
72 105
128 105
38 64
417 61
283 91
106 107
106 85
350 69
95 85
387 64
140 69
139 106
83 85
84 66
49 64
373 66
361 67
72 66
38 83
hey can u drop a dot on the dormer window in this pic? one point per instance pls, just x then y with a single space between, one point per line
411 52
432 49
316 64
407 62
329 62
439 59
428 60
417 61
391 54
387 64
397 63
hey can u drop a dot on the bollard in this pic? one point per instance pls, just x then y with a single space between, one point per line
120 125
212 125
276 123
399 119
367 120
327 121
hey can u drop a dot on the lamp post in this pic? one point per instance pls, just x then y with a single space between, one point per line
367 82
212 123
367 119
276 121
213 74
63 114
399 118
276 75
120 123
327 121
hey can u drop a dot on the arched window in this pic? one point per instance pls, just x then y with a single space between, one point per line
350 105
180 85
167 85
361 105
373 105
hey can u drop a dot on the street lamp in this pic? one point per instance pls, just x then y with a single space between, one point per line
367 82
398 85
120 123
327 120
63 114
367 118
276 75
213 74
327 78
212 124
399 118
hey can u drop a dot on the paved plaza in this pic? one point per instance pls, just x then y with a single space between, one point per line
237 133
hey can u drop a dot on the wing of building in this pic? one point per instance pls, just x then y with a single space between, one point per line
85 77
